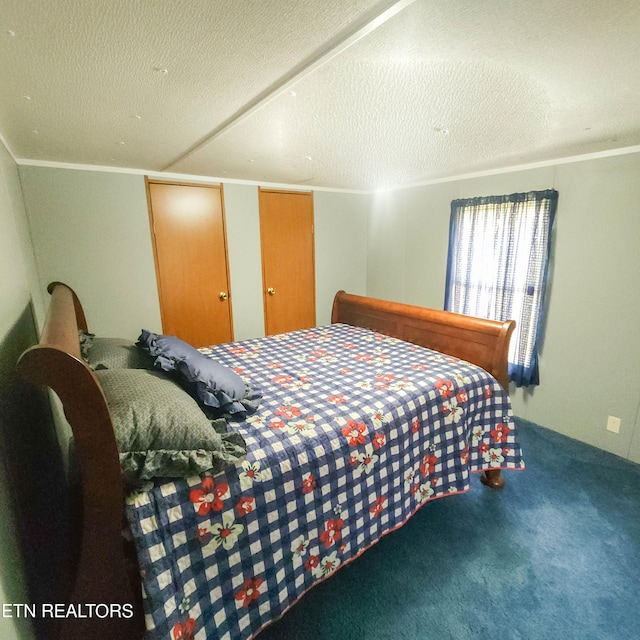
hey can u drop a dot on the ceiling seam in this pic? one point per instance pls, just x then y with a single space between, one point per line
373 19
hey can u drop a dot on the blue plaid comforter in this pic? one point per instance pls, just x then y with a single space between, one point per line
355 432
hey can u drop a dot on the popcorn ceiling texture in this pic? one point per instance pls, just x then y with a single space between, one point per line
438 89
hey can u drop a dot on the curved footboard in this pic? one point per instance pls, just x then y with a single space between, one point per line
476 340
482 342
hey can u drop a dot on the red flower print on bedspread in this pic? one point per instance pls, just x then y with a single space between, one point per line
237 350
250 591
378 440
354 432
245 505
308 483
445 387
378 506
183 631
311 562
288 412
428 465
332 532
208 497
500 433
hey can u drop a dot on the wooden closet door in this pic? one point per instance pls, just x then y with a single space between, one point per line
288 262
190 248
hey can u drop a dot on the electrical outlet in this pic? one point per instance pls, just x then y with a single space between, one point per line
613 424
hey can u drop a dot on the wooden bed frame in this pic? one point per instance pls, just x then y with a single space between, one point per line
105 569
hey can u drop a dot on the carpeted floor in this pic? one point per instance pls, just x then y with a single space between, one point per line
554 555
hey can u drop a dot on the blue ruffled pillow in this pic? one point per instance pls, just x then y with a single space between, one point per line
220 390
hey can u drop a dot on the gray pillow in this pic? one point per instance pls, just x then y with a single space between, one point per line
117 353
86 342
161 431
112 353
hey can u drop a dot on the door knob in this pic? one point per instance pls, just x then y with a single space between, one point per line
223 295
271 291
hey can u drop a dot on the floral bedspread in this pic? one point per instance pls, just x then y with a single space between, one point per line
355 431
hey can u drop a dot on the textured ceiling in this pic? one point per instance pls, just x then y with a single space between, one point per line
355 95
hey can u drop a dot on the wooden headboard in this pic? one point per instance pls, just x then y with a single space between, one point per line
481 342
102 574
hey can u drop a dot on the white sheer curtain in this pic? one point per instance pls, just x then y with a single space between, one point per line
497 267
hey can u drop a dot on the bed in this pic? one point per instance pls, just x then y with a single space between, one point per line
360 424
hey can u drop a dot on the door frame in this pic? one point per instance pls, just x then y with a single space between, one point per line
149 181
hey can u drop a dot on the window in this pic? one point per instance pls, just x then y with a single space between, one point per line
497 267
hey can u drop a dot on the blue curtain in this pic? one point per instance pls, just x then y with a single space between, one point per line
497 267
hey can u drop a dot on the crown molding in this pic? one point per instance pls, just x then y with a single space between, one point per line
278 185
186 177
520 167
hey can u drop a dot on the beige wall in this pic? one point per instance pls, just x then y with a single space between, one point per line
91 230
590 357
341 221
17 270
407 250
245 267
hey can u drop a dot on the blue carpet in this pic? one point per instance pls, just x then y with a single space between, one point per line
555 554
